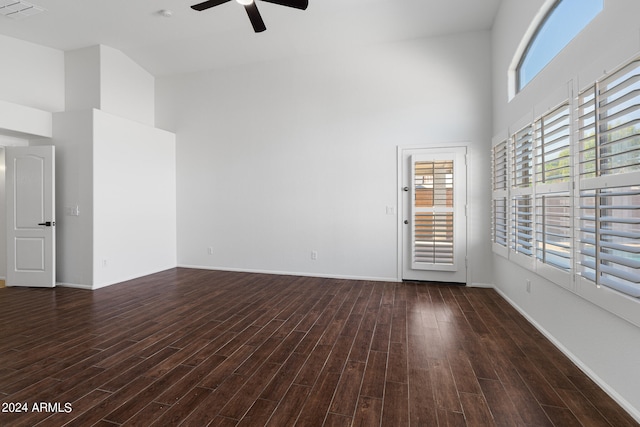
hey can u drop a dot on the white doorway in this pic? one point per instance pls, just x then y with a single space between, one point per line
433 205
30 219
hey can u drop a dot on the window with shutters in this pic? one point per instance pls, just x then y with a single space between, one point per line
553 197
500 181
609 181
521 200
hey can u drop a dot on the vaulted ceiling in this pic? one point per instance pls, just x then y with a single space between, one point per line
222 36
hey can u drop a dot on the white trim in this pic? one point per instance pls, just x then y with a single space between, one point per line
74 285
524 261
583 367
481 285
291 273
554 100
128 278
624 306
500 250
512 71
605 181
554 274
400 211
526 120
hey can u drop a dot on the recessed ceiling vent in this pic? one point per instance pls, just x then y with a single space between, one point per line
18 9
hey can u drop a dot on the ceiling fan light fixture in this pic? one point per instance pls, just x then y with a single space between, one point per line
245 2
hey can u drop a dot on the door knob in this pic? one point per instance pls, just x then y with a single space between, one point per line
405 189
48 223
406 221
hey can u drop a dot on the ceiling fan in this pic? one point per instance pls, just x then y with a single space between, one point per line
252 9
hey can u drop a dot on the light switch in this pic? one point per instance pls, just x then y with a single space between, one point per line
72 211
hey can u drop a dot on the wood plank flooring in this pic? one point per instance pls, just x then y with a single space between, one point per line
195 348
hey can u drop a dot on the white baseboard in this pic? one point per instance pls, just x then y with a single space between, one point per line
634 412
74 285
481 285
293 273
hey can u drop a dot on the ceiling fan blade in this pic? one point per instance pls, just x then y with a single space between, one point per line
255 18
298 4
208 4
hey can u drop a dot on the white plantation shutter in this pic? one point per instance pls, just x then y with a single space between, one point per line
553 196
610 238
552 141
500 185
433 212
522 158
499 229
500 166
522 225
434 238
553 230
609 172
587 149
522 209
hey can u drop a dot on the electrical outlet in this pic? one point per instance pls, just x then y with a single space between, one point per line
528 286
210 250
314 255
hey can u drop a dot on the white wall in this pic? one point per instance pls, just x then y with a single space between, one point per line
603 344
120 177
16 119
127 90
134 199
116 175
82 78
31 75
106 79
278 159
73 135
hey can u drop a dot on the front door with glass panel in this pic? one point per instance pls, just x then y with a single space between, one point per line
434 231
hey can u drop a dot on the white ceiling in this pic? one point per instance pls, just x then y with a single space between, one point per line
222 36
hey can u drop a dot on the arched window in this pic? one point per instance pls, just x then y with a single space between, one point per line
565 19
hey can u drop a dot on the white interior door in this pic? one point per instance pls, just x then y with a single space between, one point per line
434 230
30 205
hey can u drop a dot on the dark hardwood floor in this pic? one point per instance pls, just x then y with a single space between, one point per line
192 348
